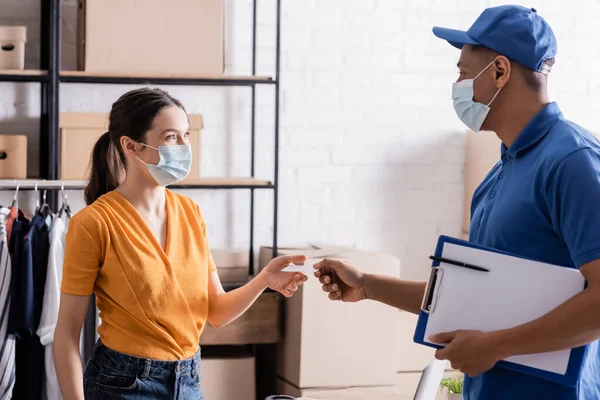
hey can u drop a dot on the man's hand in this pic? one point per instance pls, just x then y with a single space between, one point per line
340 280
469 351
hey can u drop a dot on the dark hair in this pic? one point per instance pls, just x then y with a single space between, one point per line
535 80
132 116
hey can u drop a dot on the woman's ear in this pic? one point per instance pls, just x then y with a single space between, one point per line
129 146
503 70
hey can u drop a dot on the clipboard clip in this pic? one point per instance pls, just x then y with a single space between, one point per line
429 299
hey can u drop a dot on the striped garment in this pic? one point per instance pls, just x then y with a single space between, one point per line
7 342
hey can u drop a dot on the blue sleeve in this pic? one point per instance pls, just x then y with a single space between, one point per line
574 204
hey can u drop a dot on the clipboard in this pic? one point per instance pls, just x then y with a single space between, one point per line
461 298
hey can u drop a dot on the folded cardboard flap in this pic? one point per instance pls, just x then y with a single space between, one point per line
13 34
230 258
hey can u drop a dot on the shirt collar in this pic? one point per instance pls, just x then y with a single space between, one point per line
535 130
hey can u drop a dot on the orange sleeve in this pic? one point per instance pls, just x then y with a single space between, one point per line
83 258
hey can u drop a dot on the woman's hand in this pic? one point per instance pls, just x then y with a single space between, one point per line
285 283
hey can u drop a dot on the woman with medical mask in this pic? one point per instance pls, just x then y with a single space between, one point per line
143 250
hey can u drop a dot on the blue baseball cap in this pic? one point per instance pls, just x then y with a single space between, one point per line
516 32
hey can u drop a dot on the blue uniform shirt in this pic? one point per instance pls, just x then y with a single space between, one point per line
541 201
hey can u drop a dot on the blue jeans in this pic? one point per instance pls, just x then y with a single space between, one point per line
110 375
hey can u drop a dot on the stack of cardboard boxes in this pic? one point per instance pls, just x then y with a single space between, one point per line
330 345
13 148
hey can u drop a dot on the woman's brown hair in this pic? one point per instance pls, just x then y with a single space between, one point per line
132 116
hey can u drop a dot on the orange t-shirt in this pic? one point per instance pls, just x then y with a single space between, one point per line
152 303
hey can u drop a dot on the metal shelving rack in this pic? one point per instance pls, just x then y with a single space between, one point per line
50 78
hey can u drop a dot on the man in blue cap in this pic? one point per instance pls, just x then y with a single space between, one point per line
540 201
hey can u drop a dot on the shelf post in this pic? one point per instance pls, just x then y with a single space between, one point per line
277 87
252 143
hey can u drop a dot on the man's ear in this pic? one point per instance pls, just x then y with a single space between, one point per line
502 69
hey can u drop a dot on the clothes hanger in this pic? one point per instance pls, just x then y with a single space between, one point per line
45 211
37 199
15 202
65 206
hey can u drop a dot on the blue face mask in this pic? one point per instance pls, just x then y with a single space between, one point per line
471 113
174 165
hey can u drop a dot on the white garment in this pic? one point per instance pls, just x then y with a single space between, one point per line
50 305
7 341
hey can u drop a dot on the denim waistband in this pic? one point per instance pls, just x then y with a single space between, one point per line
144 367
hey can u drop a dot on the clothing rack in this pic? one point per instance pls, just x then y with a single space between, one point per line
89 328
32 184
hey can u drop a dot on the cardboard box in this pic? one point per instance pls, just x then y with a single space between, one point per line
260 324
334 344
174 38
232 265
13 156
12 47
411 356
80 131
353 393
483 152
404 389
228 378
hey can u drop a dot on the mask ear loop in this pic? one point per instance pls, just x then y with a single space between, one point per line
494 98
485 69
499 89
150 147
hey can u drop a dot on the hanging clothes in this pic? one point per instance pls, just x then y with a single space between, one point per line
10 215
29 247
7 340
51 303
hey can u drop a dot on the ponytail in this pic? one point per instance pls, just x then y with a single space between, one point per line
104 169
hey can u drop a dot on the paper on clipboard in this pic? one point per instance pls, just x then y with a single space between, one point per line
515 291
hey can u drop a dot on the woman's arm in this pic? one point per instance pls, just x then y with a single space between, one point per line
67 359
225 307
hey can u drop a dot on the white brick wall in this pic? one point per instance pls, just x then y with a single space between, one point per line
371 151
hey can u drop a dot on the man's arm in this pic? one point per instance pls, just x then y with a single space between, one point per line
346 283
403 294
574 323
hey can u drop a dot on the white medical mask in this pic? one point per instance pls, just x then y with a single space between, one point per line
174 165
471 113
